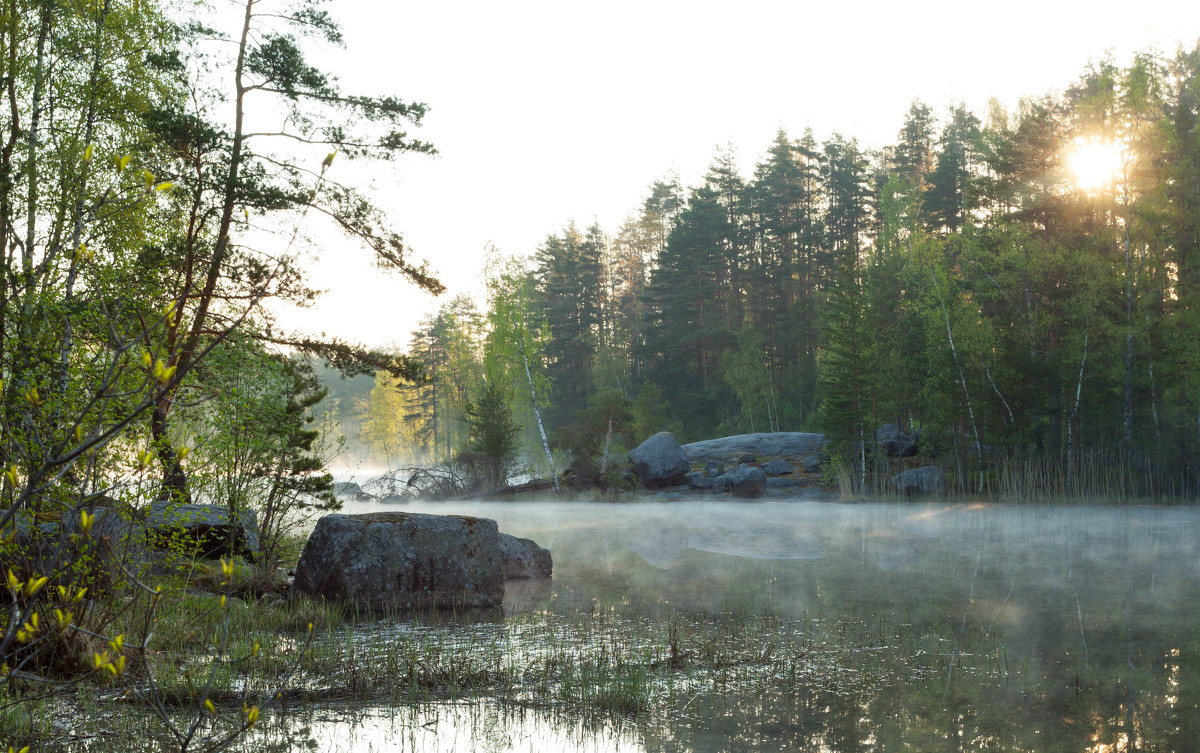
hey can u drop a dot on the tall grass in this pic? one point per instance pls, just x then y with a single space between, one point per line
1093 476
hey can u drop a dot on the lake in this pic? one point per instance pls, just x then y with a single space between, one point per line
804 625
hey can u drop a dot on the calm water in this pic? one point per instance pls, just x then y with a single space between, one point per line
925 627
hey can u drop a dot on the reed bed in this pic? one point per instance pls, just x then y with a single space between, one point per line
613 663
1093 477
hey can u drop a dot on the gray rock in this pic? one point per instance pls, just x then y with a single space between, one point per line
698 480
659 461
895 442
35 542
119 538
925 480
524 559
116 543
812 463
346 489
777 467
789 443
747 457
205 529
745 481
712 470
401 560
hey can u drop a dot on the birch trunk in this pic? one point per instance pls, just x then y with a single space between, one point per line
1071 419
537 415
962 378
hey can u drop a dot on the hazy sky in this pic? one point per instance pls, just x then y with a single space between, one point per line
547 112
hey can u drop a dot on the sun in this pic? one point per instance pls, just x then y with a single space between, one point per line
1095 164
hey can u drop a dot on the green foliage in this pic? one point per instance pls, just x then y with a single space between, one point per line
597 434
492 433
132 340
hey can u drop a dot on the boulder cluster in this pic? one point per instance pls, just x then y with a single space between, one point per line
731 464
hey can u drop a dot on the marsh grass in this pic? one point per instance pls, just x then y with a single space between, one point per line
613 663
619 661
1090 477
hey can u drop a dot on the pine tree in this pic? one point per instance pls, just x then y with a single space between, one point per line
492 432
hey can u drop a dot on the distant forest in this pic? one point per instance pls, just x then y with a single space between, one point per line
1018 287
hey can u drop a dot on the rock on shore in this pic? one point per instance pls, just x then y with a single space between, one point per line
659 461
788 443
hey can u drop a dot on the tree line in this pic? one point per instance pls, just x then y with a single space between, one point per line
1020 285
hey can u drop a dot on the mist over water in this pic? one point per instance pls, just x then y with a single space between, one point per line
906 627
1031 628
773 556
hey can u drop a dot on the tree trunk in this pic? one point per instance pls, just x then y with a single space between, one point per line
961 376
175 484
1071 420
537 414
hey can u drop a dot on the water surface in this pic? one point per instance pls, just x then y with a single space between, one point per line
883 627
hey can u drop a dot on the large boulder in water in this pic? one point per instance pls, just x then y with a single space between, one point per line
208 531
400 560
744 481
895 442
660 461
925 480
524 559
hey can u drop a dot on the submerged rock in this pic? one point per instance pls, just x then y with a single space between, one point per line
524 559
744 481
660 461
925 480
206 530
400 560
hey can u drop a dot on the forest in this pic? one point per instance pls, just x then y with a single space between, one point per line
1020 288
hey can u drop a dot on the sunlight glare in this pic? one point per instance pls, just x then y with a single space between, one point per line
1094 163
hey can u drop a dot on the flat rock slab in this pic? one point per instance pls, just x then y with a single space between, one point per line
788 443
398 561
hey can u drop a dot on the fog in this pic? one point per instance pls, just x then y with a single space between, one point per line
1005 627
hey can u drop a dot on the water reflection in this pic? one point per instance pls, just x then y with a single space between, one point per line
883 628
444 728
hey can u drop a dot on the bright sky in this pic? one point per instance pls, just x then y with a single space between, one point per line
547 112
